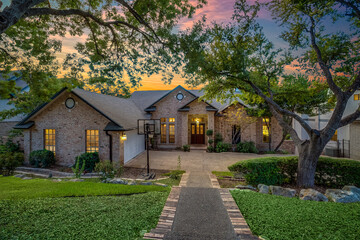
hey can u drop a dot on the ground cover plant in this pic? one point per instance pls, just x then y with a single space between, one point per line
330 172
105 217
16 188
276 217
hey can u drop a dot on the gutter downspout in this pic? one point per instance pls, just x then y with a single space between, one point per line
110 144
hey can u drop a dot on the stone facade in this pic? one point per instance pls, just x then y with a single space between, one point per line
70 127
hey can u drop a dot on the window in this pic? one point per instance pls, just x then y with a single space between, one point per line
265 130
335 136
356 97
162 120
163 133
171 119
49 140
171 133
92 140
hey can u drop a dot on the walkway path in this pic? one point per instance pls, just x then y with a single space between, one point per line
202 212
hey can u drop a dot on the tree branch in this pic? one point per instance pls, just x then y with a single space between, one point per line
11 14
323 66
352 6
350 118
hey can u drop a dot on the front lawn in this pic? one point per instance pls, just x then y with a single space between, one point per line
276 217
109 217
16 188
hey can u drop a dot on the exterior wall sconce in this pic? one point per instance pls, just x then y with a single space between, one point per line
123 136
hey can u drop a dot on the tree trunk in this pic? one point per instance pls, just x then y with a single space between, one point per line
280 143
309 153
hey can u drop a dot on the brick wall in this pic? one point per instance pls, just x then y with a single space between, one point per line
70 126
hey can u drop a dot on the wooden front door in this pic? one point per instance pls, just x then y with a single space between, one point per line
198 133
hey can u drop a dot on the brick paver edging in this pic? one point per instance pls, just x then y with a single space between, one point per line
167 216
240 226
214 181
184 179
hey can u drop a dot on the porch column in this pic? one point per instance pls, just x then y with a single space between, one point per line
117 148
211 122
185 129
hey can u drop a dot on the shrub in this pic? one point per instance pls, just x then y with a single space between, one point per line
9 161
77 170
209 132
210 148
90 160
330 172
246 147
218 138
42 158
9 146
222 147
176 174
107 169
186 148
210 141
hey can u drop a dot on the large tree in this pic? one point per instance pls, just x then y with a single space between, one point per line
118 41
230 57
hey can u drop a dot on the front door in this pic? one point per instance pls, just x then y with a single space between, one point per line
198 133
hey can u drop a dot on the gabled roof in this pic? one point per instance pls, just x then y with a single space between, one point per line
186 107
122 113
151 107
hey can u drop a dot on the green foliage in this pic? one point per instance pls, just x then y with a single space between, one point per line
176 174
9 161
210 141
222 147
90 158
223 174
9 146
42 158
276 217
13 188
82 218
330 172
76 169
210 148
107 169
179 163
209 132
186 148
218 138
246 147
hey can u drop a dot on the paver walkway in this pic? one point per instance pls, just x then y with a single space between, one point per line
200 213
203 212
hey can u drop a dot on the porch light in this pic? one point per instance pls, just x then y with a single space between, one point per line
123 137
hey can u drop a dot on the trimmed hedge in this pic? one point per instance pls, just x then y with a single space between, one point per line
9 161
222 147
246 147
330 172
42 158
91 158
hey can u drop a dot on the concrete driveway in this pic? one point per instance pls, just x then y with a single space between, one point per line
196 160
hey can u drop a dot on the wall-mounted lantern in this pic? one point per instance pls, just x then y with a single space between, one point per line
123 136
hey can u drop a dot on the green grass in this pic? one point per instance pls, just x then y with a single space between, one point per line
109 217
16 188
170 181
220 175
276 217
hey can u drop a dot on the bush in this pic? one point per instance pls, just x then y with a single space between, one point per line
330 172
218 138
107 169
222 147
9 146
90 160
175 174
246 147
210 149
186 148
210 141
9 161
77 170
42 158
209 132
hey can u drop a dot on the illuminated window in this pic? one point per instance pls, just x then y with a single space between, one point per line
171 133
49 140
171 119
163 119
335 136
92 140
163 133
356 97
265 130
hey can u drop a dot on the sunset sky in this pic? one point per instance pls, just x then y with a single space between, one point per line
215 10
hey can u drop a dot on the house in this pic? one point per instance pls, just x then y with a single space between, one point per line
346 141
80 121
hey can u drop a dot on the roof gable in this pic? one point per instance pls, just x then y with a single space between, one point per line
186 107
